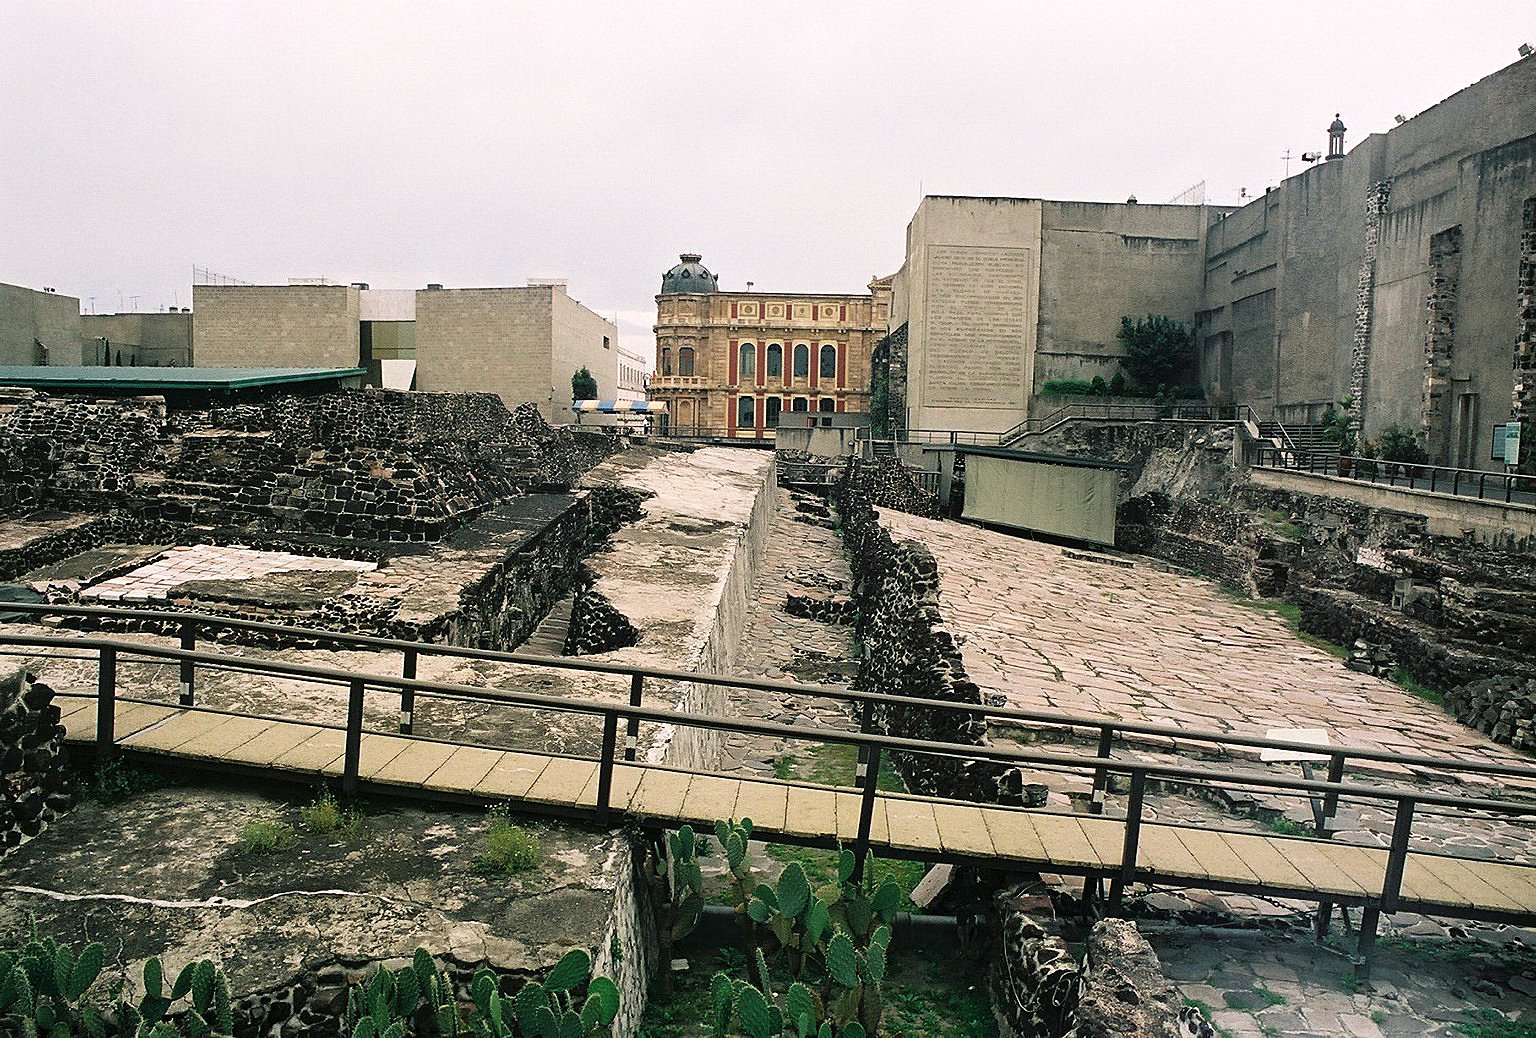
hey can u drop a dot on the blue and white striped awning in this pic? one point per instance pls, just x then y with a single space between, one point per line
620 406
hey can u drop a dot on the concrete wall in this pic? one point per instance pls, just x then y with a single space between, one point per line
971 284
1100 262
490 339
1330 282
581 338
275 326
521 343
28 316
1493 522
153 340
1002 294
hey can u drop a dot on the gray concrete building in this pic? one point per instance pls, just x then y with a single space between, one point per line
999 295
38 326
153 340
1400 273
521 343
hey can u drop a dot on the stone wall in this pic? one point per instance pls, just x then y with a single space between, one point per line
1523 397
32 777
1440 336
311 1003
370 464
1040 990
910 651
1445 609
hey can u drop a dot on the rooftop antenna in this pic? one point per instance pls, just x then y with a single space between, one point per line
749 285
133 301
93 304
1287 158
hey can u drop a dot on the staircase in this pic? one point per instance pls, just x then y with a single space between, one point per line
1307 438
548 639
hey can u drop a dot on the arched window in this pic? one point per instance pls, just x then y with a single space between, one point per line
666 361
685 361
828 360
775 360
744 413
800 403
746 366
826 405
802 360
771 415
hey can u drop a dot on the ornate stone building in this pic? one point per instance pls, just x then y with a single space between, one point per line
729 363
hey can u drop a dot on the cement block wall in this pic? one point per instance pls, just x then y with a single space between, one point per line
28 316
495 340
275 326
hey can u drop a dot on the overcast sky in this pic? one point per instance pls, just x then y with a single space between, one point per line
487 143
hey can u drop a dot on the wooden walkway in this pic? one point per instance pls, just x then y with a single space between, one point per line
902 826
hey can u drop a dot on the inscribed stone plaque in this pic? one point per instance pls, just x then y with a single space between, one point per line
979 308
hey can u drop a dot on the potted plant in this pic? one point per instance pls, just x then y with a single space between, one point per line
1339 429
1400 445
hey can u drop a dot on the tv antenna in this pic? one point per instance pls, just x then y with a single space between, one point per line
1287 158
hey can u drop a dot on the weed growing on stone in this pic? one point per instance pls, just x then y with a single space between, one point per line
1489 1023
267 836
1209 1014
325 817
508 846
1282 826
114 782
784 766
1290 612
1270 998
1407 682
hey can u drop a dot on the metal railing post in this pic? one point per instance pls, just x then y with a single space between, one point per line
354 747
106 703
1100 775
866 816
1325 832
1391 888
605 765
632 726
188 668
1127 873
866 725
408 693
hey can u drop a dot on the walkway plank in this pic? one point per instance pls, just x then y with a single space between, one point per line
512 775
963 830
1166 853
911 824
810 811
766 803
1014 834
464 770
415 764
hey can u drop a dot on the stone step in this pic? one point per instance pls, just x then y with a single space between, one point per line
548 639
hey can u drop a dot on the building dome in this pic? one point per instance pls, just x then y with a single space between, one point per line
689 276
1337 126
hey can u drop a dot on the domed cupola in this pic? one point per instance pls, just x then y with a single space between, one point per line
689 276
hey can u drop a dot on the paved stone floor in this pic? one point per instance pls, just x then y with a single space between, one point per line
800 552
186 563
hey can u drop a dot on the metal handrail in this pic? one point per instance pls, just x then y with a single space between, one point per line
1118 411
188 622
1435 479
870 744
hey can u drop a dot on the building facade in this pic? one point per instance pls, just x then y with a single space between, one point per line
1399 275
38 326
523 343
729 363
997 296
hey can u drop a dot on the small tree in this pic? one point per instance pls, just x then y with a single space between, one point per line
1158 350
583 385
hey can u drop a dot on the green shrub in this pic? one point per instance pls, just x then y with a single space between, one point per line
325 816
114 782
508 847
1401 444
1066 387
267 836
